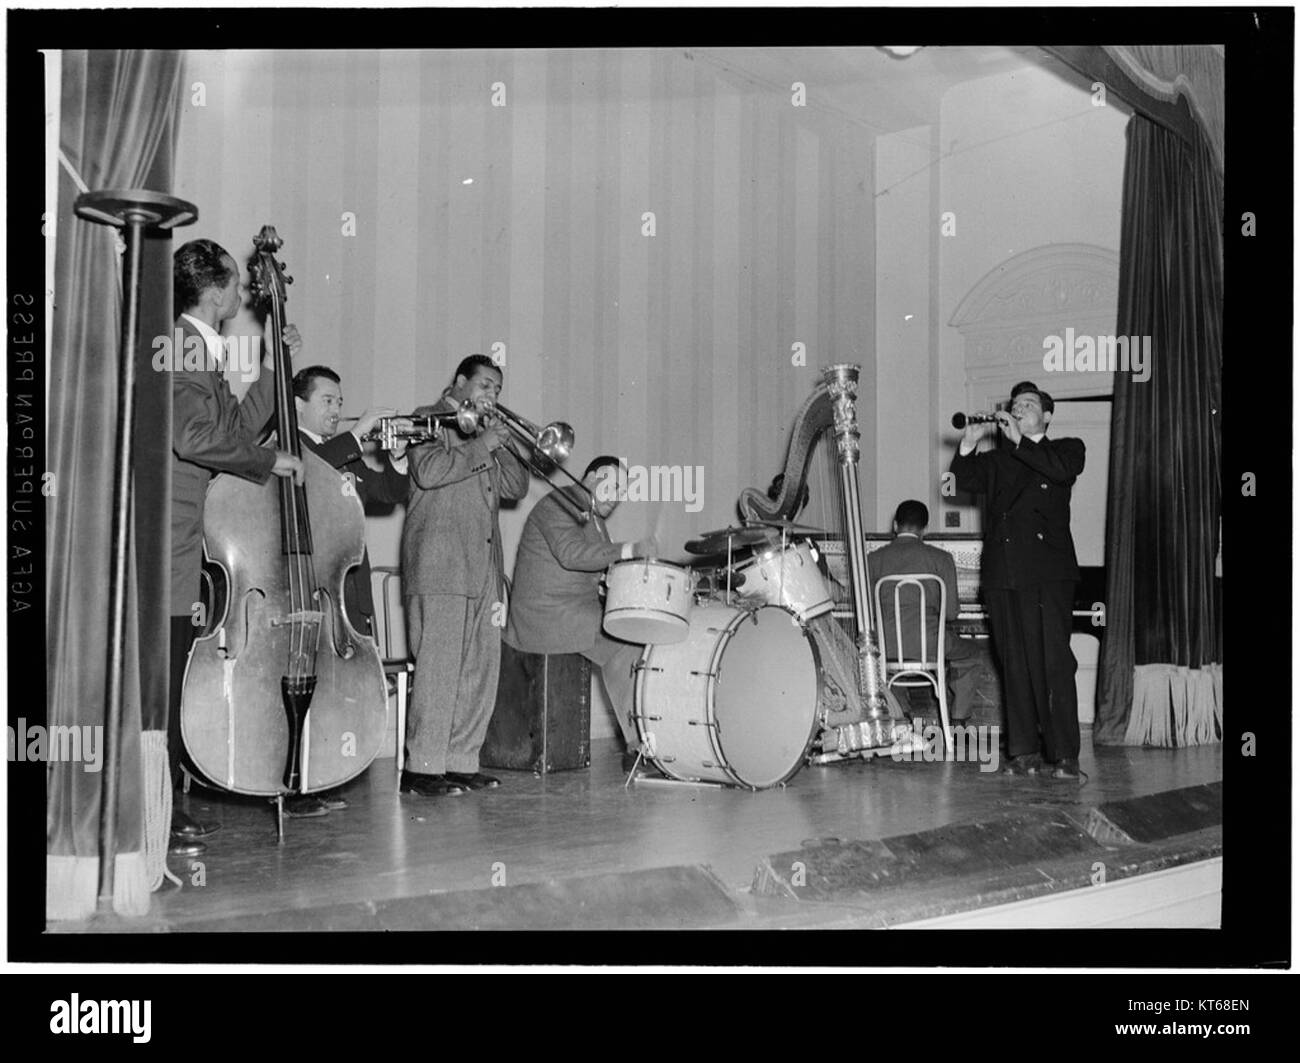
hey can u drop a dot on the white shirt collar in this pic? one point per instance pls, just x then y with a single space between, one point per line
1038 438
910 534
318 440
212 340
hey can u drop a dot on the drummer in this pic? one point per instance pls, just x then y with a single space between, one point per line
555 596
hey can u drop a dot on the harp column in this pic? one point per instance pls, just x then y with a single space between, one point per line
841 382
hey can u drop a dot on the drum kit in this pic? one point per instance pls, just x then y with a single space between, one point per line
728 686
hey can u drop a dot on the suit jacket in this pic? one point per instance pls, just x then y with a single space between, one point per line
1027 536
452 539
212 431
389 487
907 553
555 596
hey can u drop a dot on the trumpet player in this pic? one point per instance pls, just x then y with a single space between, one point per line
318 398
452 584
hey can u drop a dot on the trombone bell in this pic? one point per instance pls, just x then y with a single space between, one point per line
554 442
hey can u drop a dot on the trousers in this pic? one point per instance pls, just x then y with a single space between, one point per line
456 643
615 660
1031 638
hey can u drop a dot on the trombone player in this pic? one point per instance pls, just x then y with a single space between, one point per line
452 583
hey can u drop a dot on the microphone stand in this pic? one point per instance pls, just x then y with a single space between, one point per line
133 211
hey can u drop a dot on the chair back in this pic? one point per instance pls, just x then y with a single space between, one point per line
390 616
892 656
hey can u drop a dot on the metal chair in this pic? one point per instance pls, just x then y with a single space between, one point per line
390 635
922 671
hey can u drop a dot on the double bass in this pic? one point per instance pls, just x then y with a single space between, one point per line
283 695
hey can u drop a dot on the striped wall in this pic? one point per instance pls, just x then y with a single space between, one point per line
670 349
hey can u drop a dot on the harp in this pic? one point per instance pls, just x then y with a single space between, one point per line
852 659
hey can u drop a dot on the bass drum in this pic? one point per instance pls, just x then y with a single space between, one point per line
735 703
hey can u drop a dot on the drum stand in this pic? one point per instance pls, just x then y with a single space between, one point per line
664 780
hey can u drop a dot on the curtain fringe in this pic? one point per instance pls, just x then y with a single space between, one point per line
71 883
1176 706
157 807
72 886
131 886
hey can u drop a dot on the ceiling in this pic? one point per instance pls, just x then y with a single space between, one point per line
868 87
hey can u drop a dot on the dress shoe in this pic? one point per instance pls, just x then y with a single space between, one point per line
305 806
1025 764
331 800
181 847
474 780
189 829
414 782
1065 768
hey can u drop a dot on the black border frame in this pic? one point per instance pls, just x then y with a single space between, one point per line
1257 317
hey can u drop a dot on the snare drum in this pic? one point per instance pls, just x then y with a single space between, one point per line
736 702
648 601
790 578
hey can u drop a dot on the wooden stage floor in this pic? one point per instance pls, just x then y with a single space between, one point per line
391 852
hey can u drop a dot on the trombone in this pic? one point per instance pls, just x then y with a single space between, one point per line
554 443
547 448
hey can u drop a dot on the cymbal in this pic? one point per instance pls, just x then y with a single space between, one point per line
717 542
789 527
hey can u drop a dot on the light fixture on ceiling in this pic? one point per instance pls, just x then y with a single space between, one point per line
901 51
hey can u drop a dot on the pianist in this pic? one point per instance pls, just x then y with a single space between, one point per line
907 553
1028 574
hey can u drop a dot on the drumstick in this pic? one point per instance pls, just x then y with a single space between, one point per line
658 525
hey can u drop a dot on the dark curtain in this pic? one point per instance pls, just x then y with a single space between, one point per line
1159 681
118 123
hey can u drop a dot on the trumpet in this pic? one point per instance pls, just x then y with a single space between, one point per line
424 426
